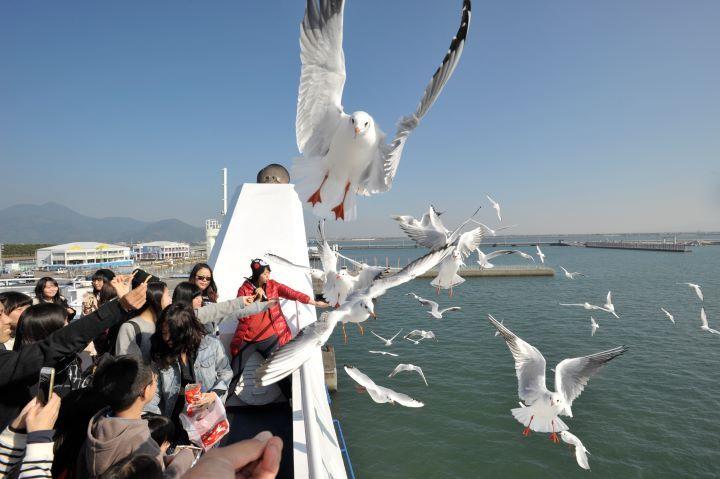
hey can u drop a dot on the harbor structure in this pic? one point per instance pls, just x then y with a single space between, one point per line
161 250
83 255
212 225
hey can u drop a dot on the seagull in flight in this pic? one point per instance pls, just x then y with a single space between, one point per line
581 454
313 272
496 207
384 353
434 311
570 275
704 321
388 342
447 276
484 259
421 333
591 307
697 289
497 333
493 232
380 394
358 308
609 306
670 316
594 325
408 367
344 155
540 254
571 377
429 231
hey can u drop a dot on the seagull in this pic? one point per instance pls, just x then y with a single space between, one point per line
388 342
571 377
422 333
434 312
589 306
408 367
358 307
540 254
493 232
465 244
384 353
497 333
429 231
313 272
594 325
346 155
380 394
484 259
670 316
496 207
570 275
697 289
609 304
580 451
704 320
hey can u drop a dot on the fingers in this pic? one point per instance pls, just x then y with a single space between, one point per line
269 465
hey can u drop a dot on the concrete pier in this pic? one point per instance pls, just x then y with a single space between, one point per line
640 245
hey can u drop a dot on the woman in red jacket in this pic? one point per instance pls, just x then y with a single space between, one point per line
267 331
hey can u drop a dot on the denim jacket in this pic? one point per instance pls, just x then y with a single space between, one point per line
211 368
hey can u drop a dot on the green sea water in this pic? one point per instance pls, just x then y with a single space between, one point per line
652 413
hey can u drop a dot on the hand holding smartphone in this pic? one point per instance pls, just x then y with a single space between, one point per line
46 382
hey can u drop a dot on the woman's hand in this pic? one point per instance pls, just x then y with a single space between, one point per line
42 418
319 304
248 300
205 400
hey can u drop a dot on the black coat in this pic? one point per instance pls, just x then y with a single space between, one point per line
19 370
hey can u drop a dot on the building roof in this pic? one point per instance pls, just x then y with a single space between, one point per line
165 244
83 246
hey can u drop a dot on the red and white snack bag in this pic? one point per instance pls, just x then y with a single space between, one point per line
205 425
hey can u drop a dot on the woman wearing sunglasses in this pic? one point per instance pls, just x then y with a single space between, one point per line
202 276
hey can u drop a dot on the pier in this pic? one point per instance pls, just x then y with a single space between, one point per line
640 245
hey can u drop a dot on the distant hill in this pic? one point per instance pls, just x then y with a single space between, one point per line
55 223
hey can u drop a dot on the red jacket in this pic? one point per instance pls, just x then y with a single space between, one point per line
263 325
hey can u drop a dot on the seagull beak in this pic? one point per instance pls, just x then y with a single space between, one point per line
373 315
357 130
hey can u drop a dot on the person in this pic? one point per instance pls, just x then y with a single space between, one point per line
188 293
48 291
134 335
19 367
185 353
128 384
267 331
256 458
202 276
162 430
134 466
100 281
29 439
5 330
13 304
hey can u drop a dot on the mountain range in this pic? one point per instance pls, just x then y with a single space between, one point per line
55 223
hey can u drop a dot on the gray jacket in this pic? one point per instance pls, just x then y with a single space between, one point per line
211 368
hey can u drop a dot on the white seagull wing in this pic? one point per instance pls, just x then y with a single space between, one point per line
322 78
379 175
378 336
703 317
529 365
328 257
306 269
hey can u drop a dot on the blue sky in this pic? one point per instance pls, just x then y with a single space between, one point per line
596 116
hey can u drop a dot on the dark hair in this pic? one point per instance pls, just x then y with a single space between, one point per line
211 290
140 276
186 333
13 300
107 293
257 267
162 429
134 465
105 275
40 286
153 298
38 322
121 380
185 292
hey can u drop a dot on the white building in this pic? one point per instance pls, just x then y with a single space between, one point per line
161 250
85 255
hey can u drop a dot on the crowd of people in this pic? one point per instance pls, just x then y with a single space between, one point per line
120 370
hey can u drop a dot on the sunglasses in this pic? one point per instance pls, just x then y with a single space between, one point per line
203 278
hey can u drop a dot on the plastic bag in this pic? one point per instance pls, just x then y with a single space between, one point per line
205 425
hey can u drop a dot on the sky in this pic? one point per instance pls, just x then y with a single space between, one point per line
579 117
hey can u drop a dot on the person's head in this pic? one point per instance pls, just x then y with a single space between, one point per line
177 331
47 289
157 298
162 430
5 330
133 466
14 304
260 272
101 278
187 293
38 322
273 173
202 276
124 382
141 276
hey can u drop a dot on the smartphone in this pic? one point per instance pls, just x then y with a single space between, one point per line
45 385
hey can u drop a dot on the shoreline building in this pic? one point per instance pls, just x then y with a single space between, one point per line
83 255
161 250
